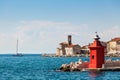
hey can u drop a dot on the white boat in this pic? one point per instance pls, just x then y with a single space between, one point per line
17 53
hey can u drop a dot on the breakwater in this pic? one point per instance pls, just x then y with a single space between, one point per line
110 65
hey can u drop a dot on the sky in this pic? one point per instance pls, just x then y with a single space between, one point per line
40 25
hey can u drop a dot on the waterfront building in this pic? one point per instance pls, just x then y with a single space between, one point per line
61 50
113 46
73 50
85 49
68 49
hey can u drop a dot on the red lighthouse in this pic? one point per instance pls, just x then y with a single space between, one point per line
96 54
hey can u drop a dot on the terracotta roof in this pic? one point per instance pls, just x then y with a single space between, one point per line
72 45
116 39
85 47
63 43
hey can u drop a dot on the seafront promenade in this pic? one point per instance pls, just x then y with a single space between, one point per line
54 55
80 55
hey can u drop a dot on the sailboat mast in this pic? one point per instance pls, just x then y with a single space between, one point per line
17 47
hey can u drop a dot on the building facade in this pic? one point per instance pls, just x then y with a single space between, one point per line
73 50
67 48
113 46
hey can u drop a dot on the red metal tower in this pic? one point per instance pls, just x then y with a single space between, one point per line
96 54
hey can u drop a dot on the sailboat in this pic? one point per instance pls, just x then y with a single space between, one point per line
17 54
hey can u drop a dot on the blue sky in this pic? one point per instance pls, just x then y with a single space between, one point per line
41 25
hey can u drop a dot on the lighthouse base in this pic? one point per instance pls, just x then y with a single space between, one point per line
95 66
84 66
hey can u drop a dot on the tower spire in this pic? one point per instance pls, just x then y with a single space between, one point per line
69 39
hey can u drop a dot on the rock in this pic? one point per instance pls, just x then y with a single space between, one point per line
72 66
65 67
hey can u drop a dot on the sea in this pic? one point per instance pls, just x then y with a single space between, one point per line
37 67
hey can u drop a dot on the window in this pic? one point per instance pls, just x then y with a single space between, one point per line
92 56
118 42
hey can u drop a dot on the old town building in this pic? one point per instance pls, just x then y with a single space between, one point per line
113 46
67 48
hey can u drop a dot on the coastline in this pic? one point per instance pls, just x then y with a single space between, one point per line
54 55
80 55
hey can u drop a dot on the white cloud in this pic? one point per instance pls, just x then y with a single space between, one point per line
110 33
45 36
34 36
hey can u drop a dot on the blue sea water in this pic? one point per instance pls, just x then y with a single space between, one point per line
36 67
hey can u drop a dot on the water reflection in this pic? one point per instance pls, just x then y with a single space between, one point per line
94 73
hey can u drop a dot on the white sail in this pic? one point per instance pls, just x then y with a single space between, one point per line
17 48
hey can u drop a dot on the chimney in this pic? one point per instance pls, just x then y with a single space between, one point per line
69 39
